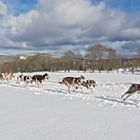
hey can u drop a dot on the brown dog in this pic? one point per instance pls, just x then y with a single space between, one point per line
89 84
73 82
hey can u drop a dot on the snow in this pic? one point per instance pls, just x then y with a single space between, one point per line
49 112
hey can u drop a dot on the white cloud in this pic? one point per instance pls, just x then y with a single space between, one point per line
69 22
3 8
131 33
74 21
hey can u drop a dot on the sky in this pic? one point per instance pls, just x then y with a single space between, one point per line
56 26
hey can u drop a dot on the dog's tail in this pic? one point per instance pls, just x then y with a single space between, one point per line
60 82
95 85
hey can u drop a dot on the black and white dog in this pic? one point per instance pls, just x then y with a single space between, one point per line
24 78
38 79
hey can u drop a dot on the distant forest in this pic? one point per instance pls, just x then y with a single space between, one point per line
97 57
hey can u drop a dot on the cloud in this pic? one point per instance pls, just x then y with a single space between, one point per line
3 8
59 23
124 48
132 33
65 21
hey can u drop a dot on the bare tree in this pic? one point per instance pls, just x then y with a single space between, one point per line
68 60
112 59
97 53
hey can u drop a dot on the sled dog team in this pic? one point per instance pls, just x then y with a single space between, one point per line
71 82
77 82
37 78
89 84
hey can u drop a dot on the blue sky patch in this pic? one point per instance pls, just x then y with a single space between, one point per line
17 7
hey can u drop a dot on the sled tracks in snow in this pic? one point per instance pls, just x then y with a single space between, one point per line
104 95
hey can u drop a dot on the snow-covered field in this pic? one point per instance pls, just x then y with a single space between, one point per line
51 113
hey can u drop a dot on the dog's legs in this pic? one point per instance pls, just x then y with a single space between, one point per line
26 83
82 90
91 90
68 85
18 80
129 94
124 95
73 87
37 82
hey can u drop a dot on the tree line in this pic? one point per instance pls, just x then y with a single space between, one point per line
97 57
